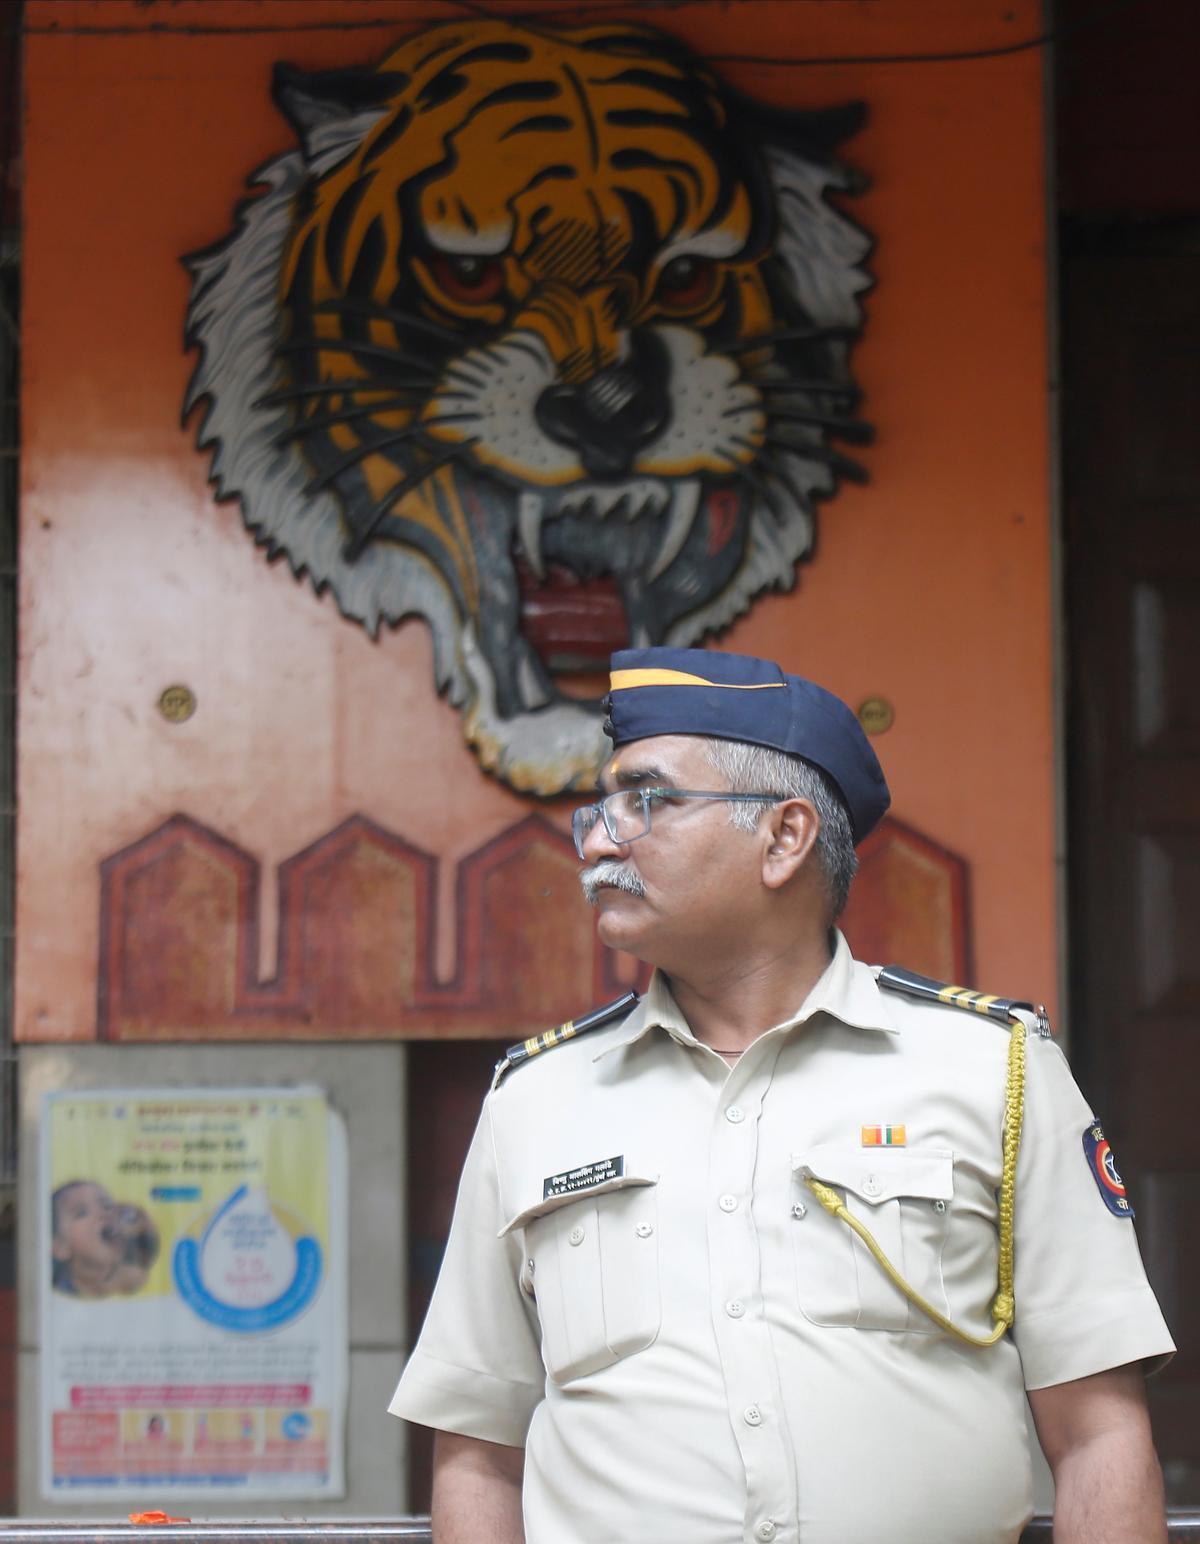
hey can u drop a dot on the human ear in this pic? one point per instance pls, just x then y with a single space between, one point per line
792 828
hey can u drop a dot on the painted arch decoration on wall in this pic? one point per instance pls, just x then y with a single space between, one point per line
356 946
541 335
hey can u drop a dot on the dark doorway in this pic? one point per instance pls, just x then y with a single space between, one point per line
447 1081
1127 136
1131 463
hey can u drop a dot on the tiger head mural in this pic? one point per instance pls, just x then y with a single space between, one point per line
541 335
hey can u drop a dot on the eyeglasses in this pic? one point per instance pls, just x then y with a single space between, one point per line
626 813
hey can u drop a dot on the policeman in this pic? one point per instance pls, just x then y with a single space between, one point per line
778 1254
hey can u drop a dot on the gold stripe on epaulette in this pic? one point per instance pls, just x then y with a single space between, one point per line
518 1054
949 993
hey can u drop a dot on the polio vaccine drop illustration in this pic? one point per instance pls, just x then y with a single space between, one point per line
251 1268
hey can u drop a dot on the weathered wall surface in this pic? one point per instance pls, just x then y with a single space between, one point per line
929 587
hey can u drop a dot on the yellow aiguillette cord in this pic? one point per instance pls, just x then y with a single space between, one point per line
1003 1306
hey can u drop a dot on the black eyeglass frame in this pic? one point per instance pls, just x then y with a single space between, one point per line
647 797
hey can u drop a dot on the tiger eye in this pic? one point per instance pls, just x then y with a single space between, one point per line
687 281
467 278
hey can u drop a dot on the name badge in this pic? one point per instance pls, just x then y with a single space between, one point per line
586 1177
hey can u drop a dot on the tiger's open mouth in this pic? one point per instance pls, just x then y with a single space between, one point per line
601 567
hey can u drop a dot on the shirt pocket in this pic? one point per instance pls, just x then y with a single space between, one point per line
593 1266
902 1196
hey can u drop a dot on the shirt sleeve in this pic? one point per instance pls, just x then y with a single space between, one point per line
1083 1304
477 1367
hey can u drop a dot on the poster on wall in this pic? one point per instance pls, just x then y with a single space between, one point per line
193 1294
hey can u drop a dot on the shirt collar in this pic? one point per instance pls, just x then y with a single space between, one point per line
846 990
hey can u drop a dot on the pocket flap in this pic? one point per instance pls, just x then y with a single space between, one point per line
547 1204
880 1174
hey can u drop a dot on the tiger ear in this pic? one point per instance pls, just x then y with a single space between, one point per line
814 133
320 105
821 128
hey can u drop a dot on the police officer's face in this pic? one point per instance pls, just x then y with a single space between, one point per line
695 869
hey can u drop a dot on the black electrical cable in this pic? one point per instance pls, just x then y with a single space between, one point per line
1053 35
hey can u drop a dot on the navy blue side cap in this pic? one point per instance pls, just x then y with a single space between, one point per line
738 697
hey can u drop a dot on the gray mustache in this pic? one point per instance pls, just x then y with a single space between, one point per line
608 872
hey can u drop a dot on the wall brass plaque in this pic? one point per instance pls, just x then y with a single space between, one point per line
177 704
876 715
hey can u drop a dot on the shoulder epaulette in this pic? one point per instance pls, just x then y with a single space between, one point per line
896 979
525 1049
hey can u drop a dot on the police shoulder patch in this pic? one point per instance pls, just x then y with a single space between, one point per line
1099 1154
525 1050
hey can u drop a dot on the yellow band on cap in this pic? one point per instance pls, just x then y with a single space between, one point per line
622 680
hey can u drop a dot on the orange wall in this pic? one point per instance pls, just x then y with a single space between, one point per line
930 587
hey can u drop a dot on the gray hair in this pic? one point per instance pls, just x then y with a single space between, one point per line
756 768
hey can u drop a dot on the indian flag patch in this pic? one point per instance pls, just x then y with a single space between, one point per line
883 1136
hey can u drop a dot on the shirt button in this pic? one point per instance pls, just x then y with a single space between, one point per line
575 1236
728 1203
871 1185
765 1530
735 1113
644 1229
752 1415
799 1210
735 1308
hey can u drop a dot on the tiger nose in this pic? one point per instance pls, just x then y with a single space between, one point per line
610 417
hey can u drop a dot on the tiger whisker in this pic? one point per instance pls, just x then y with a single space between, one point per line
776 386
353 346
353 548
852 429
418 431
787 335
783 399
831 458
361 452
420 390
329 420
459 372
525 348
381 313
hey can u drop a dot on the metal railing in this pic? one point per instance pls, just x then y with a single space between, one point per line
1182 1527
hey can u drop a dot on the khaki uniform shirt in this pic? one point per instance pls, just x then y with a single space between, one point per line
639 1289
